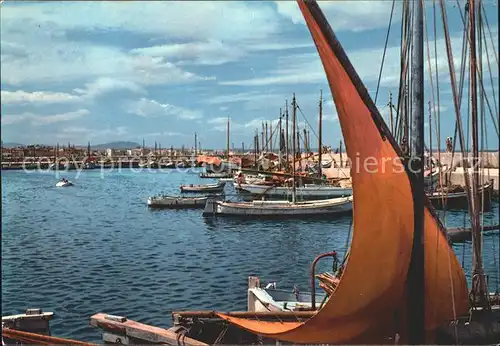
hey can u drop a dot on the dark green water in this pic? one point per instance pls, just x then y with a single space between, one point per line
96 247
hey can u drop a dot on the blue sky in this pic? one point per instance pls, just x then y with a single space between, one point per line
110 71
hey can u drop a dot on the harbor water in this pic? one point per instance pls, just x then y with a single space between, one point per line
96 247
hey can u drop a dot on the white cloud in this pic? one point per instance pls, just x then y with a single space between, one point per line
213 52
346 15
306 68
151 108
57 60
227 20
36 46
76 133
104 85
38 120
198 53
42 97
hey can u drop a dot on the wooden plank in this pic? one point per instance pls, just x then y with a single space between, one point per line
140 331
246 314
31 316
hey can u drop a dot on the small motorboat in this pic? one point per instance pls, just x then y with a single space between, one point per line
64 183
218 187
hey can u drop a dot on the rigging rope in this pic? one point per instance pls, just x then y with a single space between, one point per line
385 50
480 77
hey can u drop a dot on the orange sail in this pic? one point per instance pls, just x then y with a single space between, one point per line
370 295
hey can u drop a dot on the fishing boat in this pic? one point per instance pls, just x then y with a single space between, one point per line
276 209
64 183
307 191
32 328
369 305
169 164
222 175
455 197
217 187
176 202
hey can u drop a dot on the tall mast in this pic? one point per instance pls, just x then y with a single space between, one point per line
262 138
227 142
416 280
271 136
195 144
479 280
340 152
293 147
297 133
390 113
286 131
267 138
320 134
430 144
280 152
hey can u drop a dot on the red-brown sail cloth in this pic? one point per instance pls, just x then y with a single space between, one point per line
372 288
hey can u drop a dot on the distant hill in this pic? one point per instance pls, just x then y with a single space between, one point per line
116 145
12 145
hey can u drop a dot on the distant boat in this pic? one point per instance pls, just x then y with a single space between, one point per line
457 198
326 207
169 164
218 187
64 183
326 163
175 202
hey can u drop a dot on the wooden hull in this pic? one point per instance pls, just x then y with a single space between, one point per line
203 188
310 191
216 175
279 209
176 202
458 200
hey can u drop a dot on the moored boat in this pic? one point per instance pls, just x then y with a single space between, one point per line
455 197
304 192
218 187
276 209
176 202
216 175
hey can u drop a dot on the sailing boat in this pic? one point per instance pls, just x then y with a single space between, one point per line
303 191
367 304
284 208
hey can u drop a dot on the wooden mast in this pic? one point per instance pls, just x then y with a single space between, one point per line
271 136
479 280
320 134
286 132
293 147
280 152
195 144
390 113
227 143
430 146
263 148
416 277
